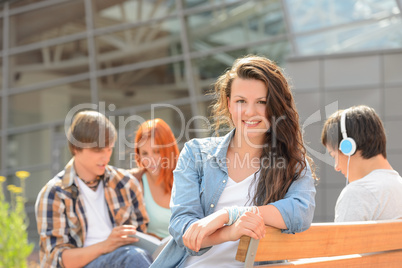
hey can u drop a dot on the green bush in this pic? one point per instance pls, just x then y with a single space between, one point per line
14 246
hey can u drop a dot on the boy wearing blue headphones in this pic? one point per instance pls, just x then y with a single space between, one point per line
355 138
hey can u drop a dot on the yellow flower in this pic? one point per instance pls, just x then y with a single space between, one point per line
17 190
22 174
2 179
11 187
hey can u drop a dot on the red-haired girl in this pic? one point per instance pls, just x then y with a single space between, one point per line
156 151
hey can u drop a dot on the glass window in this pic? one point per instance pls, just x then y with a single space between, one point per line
114 12
201 3
143 43
1 29
144 86
47 105
1 113
235 25
208 69
126 126
60 151
177 117
27 149
1 153
48 63
50 22
386 34
1 72
202 126
21 3
311 14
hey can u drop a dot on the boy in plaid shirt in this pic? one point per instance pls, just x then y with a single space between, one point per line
88 212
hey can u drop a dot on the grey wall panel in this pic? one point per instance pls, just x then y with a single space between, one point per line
394 132
393 99
304 75
395 159
372 79
355 71
347 98
307 103
393 68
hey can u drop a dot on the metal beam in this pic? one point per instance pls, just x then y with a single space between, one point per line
289 27
92 53
399 4
147 64
35 6
111 29
5 85
117 112
188 69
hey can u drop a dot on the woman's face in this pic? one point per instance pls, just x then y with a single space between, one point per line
150 157
247 104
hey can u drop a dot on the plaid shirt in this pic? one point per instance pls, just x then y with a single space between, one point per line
60 211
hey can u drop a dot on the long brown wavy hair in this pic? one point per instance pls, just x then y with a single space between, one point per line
283 141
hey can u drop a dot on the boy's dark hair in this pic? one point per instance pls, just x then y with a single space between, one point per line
90 129
363 125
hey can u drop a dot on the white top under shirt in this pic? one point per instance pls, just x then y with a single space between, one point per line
96 211
223 255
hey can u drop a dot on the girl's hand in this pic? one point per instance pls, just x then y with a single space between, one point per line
249 224
200 229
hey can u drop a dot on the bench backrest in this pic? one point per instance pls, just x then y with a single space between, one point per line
323 240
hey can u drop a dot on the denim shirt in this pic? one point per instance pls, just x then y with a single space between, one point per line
199 179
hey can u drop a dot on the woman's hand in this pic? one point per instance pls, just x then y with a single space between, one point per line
195 234
120 236
249 224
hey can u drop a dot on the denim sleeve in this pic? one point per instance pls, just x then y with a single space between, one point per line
185 203
297 207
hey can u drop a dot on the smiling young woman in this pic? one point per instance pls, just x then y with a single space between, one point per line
226 187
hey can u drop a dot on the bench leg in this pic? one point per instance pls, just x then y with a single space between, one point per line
251 252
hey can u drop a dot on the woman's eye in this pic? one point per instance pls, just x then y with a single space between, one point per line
262 102
240 101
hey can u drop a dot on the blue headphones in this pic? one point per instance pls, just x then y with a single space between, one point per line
347 145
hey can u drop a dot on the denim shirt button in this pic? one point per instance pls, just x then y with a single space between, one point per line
212 205
224 181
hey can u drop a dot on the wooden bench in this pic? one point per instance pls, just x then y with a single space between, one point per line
351 244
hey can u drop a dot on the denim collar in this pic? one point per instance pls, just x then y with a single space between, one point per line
222 148
217 148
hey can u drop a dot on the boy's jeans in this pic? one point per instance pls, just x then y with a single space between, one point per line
123 257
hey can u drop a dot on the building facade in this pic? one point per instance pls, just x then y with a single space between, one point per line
135 60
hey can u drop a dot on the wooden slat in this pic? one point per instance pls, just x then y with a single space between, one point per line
242 248
328 239
390 259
